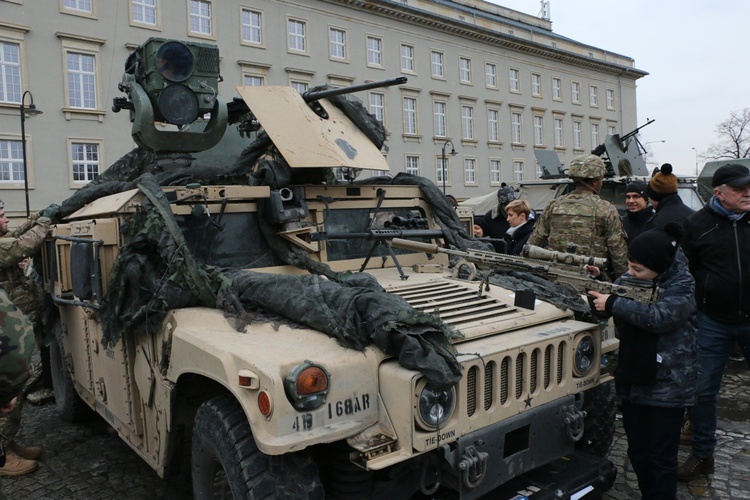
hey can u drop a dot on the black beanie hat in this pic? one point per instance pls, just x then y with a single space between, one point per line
637 186
656 248
662 183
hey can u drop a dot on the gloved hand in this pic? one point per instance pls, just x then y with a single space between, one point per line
53 212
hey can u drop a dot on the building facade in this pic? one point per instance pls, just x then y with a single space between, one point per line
491 83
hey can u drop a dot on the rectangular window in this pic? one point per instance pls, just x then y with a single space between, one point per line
611 130
594 134
538 131
593 95
610 99
10 72
443 172
538 171
253 80
82 5
252 27
536 84
518 171
85 161
467 122
200 17
515 127
438 67
494 171
412 165
440 119
407 58
490 75
464 69
557 89
337 43
515 82
575 92
577 137
81 80
493 125
559 133
297 35
377 106
11 161
470 171
300 87
410 116
143 12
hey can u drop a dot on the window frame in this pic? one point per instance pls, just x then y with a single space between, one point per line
15 164
556 89
536 85
440 64
99 143
538 124
374 51
493 125
468 130
593 96
7 81
410 116
261 28
559 131
373 108
211 35
470 171
408 60
577 134
516 127
440 119
291 48
464 70
72 11
514 80
610 99
408 168
575 92
338 43
490 78
496 179
518 170
156 25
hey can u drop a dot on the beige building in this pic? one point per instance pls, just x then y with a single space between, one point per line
493 83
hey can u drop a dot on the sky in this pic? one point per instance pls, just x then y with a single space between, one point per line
696 54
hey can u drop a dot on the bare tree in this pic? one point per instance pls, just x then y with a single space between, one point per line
734 138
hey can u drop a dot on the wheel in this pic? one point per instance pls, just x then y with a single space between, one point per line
69 404
599 424
226 463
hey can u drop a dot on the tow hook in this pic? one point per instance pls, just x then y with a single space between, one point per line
574 422
473 467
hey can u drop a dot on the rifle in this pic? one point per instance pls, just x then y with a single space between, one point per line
643 291
602 148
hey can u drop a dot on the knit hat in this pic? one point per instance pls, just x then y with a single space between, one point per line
656 248
663 183
505 194
637 186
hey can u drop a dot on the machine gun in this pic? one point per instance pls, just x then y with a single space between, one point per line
536 261
619 157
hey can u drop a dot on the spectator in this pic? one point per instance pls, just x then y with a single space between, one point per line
639 210
494 224
662 193
717 245
521 221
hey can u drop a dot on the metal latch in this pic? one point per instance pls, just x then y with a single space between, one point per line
574 422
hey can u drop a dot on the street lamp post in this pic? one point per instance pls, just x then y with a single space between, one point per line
31 111
696 161
651 142
445 159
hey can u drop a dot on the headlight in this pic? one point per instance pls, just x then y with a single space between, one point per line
306 386
435 408
584 355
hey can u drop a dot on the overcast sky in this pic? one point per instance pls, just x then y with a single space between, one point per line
696 54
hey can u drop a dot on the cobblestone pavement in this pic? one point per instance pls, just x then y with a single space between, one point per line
91 462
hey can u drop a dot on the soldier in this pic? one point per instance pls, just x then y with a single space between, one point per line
26 294
581 222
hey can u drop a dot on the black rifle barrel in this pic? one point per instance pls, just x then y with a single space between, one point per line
322 94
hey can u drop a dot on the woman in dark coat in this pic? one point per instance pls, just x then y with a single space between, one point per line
521 219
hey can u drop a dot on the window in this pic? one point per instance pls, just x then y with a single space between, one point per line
536 84
11 161
81 80
443 170
377 105
84 159
439 119
410 116
538 131
407 58
438 68
557 89
575 92
296 31
593 95
594 134
374 51
412 165
253 80
493 125
517 171
490 75
515 83
515 127
538 171
559 133
10 72
467 122
337 43
200 18
577 138
144 13
300 87
470 171
494 171
611 130
610 99
252 27
464 70
85 8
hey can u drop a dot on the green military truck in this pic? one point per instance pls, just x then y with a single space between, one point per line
251 324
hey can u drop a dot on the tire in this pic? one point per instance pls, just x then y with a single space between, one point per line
226 463
69 404
599 424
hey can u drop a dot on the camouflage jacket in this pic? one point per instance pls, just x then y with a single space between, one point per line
16 346
587 221
24 242
672 321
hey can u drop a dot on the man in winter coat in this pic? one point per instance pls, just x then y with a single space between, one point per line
639 210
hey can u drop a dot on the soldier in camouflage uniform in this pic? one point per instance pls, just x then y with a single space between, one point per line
582 222
26 294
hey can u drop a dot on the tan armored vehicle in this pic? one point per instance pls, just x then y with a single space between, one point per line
253 324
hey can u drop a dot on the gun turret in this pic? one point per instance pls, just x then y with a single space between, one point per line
620 156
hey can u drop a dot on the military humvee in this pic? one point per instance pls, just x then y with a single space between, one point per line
265 337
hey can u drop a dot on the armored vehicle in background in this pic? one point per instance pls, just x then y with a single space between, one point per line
251 324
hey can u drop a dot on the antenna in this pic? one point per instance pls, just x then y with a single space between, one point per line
544 12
